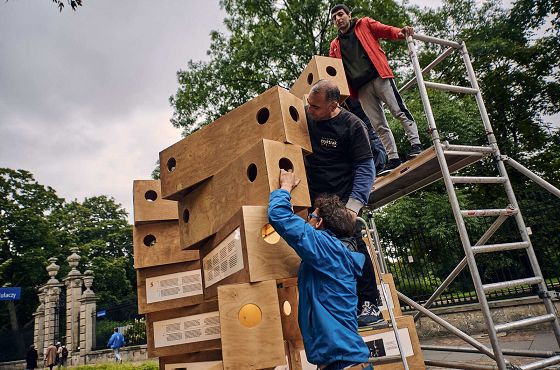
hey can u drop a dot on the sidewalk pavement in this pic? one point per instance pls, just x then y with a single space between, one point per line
532 340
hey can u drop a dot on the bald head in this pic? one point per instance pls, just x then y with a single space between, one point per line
322 101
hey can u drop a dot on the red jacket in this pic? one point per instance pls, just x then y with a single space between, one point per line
368 31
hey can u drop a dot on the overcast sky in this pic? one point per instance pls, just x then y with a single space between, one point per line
84 95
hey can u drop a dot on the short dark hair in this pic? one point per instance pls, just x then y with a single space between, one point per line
116 330
336 217
338 7
332 92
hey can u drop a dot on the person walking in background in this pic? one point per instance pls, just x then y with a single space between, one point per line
50 356
31 358
370 78
62 356
115 343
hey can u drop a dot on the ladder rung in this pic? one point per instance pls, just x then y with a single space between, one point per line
525 322
477 180
508 284
452 88
489 212
499 247
384 360
542 363
468 148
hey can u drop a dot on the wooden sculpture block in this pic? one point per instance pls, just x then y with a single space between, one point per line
250 326
276 115
321 68
246 249
288 303
208 360
158 244
246 180
393 298
183 330
149 206
382 342
169 286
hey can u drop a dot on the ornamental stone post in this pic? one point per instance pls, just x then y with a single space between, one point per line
39 323
73 283
52 296
87 316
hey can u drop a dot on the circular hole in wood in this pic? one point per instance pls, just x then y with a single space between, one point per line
150 196
252 172
331 71
287 308
262 116
294 113
149 240
285 164
250 315
186 216
269 234
171 164
310 79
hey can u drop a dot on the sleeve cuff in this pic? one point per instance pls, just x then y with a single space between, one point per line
354 205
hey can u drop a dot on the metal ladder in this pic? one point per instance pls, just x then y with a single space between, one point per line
511 210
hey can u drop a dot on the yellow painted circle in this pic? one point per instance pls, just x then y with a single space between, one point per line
269 234
287 308
250 315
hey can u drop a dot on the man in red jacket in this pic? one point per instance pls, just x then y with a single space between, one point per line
370 78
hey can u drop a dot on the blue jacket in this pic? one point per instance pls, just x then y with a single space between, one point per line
327 287
116 341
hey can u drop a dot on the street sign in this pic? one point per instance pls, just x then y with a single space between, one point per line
101 313
10 294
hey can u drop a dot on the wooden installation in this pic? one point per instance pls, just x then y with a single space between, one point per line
321 68
382 342
188 329
208 360
149 206
247 180
246 249
288 303
169 286
276 115
250 326
393 297
157 244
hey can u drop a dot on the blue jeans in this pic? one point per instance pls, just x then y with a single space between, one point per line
341 365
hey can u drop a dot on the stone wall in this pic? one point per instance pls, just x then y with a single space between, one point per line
130 353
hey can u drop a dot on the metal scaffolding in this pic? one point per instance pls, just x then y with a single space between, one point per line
444 151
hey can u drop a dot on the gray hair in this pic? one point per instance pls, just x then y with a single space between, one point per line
332 93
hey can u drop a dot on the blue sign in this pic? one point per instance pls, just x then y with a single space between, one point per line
10 294
101 313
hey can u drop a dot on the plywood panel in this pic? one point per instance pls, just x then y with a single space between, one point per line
207 360
169 286
247 180
250 326
183 330
157 244
391 290
149 206
321 68
276 115
240 244
288 303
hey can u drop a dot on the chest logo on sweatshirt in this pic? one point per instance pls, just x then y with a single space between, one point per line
328 142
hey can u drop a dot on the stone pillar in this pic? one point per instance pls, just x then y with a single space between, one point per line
87 316
52 296
73 284
39 323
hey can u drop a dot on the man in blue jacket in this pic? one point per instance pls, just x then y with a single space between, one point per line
116 342
326 278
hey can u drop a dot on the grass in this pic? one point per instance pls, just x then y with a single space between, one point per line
148 365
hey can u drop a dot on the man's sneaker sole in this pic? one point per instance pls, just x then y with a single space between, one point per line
375 325
385 172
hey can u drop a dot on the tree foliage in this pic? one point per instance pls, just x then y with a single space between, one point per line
267 43
36 224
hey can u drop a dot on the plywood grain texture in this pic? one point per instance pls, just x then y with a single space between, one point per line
321 68
158 244
259 345
276 115
245 181
149 206
207 360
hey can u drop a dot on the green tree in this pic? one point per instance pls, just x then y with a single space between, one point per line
267 43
